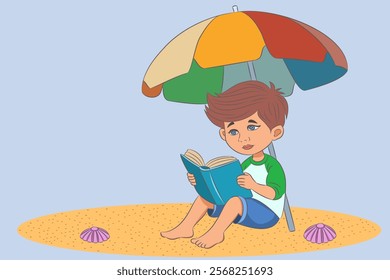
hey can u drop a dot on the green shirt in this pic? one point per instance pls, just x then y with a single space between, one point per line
268 172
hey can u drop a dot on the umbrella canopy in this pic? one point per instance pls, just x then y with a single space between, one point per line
212 56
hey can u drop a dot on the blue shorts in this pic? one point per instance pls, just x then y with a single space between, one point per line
254 214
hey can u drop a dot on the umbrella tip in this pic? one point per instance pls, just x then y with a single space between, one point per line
235 8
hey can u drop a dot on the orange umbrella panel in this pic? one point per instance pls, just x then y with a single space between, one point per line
229 39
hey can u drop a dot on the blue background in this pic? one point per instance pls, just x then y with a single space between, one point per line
76 132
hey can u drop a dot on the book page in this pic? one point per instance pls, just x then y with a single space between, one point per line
195 157
219 161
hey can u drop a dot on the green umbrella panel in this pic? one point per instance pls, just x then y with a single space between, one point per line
194 86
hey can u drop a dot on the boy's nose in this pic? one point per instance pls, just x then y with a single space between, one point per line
244 138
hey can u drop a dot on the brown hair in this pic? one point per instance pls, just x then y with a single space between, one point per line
245 99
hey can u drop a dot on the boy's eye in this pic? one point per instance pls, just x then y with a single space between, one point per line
233 132
253 127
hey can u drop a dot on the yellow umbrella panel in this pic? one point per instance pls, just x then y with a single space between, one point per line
176 57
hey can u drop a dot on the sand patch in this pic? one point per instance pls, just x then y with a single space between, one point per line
135 230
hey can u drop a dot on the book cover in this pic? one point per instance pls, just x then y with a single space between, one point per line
217 184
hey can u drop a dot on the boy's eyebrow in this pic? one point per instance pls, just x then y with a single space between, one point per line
252 121
231 123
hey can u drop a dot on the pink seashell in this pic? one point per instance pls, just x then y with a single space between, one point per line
319 233
94 235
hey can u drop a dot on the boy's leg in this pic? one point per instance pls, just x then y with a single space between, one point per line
186 227
215 234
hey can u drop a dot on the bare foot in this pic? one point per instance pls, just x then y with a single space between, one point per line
178 232
208 240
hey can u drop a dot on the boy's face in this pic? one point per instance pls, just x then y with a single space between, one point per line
249 136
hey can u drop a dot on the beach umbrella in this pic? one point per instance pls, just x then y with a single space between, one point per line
217 53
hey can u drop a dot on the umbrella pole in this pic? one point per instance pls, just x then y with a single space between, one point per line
286 208
271 150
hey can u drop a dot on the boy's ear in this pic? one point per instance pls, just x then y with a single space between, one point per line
277 132
222 134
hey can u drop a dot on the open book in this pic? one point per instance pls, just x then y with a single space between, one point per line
216 180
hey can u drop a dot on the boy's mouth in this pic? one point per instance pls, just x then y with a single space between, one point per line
247 147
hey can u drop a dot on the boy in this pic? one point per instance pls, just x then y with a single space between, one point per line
250 115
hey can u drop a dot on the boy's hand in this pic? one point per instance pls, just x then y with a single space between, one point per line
246 181
191 179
